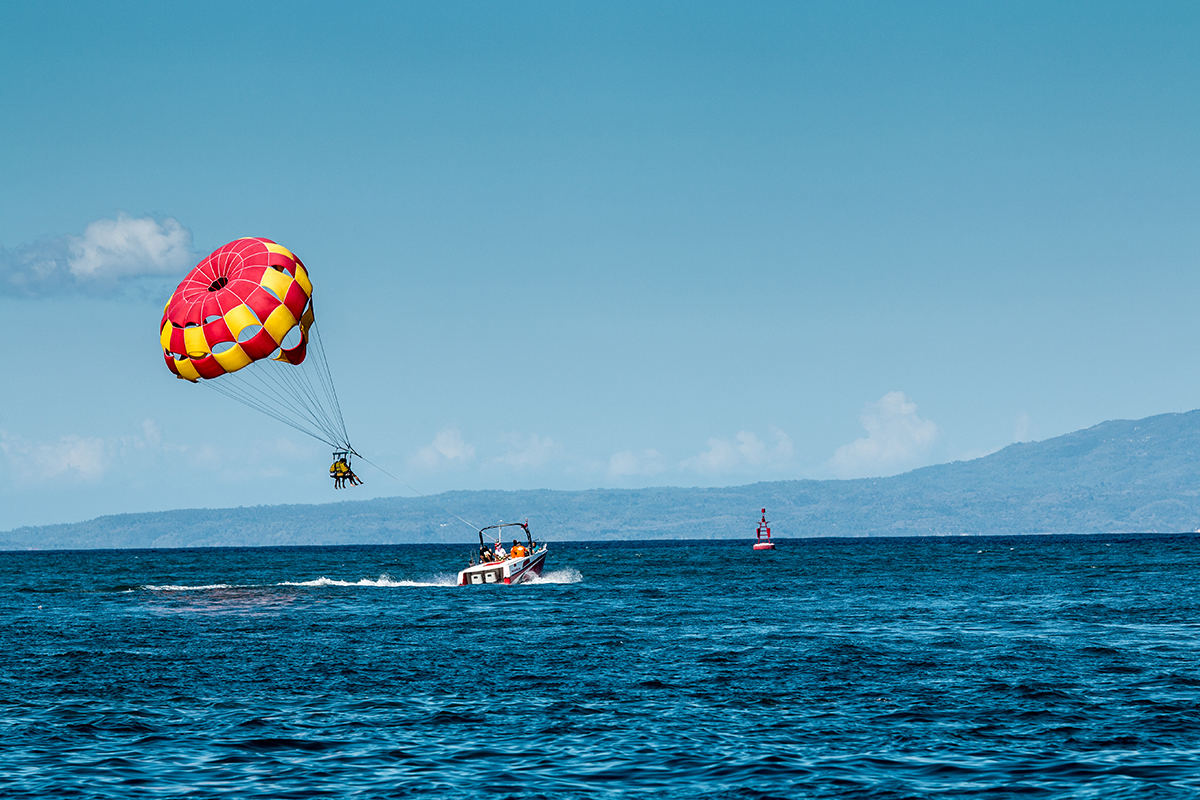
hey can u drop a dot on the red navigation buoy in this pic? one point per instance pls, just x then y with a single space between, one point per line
763 527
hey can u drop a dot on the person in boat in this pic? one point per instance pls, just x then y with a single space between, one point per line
517 550
500 554
486 555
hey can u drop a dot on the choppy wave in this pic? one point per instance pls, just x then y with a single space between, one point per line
865 669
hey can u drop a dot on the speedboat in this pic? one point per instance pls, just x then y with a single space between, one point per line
764 528
494 565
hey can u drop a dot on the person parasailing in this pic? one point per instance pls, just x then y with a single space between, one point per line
337 471
341 471
242 323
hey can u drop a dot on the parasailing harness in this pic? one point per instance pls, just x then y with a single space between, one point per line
341 471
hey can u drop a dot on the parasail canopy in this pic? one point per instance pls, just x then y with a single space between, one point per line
242 323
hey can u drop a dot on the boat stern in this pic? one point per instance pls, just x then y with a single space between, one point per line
514 570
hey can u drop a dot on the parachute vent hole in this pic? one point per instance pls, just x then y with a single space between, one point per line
249 332
211 318
221 347
219 283
192 325
291 339
271 292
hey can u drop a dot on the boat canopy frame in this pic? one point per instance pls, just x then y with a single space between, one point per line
523 525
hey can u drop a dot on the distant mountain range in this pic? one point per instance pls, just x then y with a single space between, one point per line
1119 476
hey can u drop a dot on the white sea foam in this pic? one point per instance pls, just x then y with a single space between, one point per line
174 588
568 575
383 581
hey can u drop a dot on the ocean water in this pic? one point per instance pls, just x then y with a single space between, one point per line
889 668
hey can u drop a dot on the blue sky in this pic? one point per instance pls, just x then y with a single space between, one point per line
572 245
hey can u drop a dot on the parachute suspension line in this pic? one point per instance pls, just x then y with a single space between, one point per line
269 410
284 386
301 396
299 385
274 385
469 524
270 397
326 376
287 393
269 400
277 392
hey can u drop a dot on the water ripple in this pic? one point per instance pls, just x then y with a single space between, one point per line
1048 666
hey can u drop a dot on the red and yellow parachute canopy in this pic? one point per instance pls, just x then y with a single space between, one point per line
236 307
249 304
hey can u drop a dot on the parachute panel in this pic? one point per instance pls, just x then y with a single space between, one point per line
246 282
242 323
238 319
276 282
194 344
279 322
233 359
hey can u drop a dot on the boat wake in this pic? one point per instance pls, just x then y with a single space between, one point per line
382 582
174 588
568 575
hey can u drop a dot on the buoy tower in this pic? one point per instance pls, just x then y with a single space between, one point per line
764 543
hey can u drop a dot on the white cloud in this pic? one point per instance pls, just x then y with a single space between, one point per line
743 452
82 456
143 457
1022 429
897 439
89 458
639 462
126 247
528 451
448 447
110 254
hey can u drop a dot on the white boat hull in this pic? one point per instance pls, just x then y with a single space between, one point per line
513 570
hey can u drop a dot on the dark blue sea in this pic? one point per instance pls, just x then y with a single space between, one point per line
1058 666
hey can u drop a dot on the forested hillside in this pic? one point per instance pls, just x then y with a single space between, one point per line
1117 476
